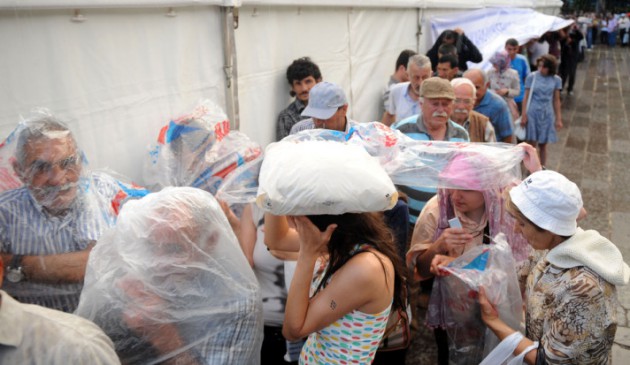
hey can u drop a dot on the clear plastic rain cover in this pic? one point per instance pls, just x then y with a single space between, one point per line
51 203
200 150
170 282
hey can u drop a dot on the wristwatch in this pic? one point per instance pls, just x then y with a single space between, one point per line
15 273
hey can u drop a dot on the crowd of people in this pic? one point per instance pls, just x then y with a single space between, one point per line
177 276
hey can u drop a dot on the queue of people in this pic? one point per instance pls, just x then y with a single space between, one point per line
178 276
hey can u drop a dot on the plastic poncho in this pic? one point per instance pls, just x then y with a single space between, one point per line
169 281
51 203
200 150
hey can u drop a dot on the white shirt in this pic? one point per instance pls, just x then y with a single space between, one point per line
30 334
400 103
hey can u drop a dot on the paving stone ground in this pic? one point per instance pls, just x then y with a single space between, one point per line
594 152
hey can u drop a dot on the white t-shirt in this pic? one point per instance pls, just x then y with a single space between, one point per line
400 102
270 274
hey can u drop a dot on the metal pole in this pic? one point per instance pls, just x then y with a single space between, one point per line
230 23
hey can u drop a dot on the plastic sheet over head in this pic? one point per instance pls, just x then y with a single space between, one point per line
51 203
199 150
322 177
170 281
421 163
454 299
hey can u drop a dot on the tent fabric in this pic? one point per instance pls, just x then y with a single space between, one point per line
521 24
112 78
125 70
83 4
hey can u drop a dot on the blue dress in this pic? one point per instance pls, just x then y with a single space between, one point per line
541 119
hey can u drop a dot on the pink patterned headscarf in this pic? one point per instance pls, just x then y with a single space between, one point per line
474 172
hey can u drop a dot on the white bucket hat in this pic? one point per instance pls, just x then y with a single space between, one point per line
550 201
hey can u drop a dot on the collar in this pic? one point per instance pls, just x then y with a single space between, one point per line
299 105
11 317
590 249
423 129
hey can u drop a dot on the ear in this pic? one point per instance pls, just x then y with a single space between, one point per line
345 109
18 171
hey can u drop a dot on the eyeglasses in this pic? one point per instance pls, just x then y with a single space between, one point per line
39 167
463 101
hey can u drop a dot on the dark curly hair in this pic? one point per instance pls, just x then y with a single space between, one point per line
301 69
550 62
358 228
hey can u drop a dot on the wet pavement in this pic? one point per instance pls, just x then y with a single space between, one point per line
593 151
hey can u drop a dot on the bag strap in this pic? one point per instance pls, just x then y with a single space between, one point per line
531 91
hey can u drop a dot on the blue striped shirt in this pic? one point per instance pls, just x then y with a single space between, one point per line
26 229
414 127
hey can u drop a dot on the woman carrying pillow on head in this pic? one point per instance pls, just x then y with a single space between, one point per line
345 312
570 291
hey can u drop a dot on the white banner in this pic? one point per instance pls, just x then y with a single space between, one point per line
489 28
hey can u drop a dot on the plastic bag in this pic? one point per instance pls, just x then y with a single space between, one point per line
454 305
171 272
322 177
51 203
199 150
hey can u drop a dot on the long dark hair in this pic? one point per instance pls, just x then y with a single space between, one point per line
360 228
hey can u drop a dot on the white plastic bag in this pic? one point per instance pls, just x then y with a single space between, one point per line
322 177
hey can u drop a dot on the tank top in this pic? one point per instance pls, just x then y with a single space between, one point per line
352 339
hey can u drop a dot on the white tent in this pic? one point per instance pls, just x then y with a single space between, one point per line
117 70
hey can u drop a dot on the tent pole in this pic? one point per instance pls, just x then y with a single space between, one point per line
230 23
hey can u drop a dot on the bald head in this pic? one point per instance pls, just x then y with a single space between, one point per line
480 80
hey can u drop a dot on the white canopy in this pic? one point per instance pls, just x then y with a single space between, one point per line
118 70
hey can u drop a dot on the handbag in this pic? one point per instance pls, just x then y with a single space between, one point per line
397 334
519 129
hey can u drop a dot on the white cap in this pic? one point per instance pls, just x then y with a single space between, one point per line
550 201
323 101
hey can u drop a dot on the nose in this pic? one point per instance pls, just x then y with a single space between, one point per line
56 175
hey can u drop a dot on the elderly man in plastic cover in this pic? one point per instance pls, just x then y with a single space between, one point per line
169 284
51 213
30 334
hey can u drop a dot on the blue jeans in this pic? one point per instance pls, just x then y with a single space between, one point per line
612 39
589 38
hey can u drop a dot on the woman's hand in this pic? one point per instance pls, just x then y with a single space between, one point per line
559 124
438 262
234 221
530 160
312 240
489 314
524 119
453 240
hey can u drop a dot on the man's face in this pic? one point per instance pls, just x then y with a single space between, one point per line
511 51
436 112
337 122
417 75
302 87
445 71
51 171
477 80
463 103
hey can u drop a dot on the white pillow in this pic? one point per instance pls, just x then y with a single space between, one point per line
322 177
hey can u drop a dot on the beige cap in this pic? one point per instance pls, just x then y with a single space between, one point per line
437 87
